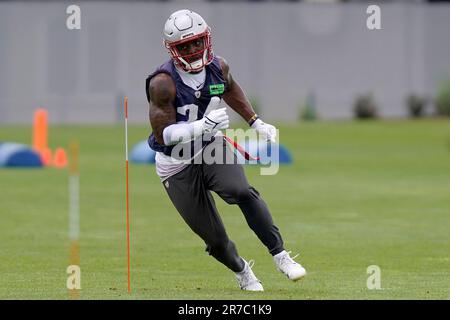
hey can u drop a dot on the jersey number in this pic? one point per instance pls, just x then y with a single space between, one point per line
190 110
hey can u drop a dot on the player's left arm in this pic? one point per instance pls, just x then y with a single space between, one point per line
235 97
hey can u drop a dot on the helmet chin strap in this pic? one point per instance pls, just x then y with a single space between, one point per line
198 64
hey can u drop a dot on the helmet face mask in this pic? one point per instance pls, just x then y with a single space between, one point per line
182 31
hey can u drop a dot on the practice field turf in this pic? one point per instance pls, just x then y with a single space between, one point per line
358 194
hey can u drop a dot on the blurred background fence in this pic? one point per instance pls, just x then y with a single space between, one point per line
284 54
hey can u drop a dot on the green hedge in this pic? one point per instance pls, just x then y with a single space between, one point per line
365 107
443 99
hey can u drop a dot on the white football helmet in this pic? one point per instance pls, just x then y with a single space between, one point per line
184 26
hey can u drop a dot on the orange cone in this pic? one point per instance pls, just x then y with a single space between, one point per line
60 158
46 156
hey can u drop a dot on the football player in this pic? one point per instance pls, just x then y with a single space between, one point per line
183 95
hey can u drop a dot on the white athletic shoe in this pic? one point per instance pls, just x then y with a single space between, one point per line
293 270
247 279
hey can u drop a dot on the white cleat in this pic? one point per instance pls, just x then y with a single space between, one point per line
293 270
247 279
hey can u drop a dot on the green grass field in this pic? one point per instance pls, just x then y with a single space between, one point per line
358 194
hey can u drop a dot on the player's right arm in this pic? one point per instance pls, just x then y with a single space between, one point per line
162 112
162 115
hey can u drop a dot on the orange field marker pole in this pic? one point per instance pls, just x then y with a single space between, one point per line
127 192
